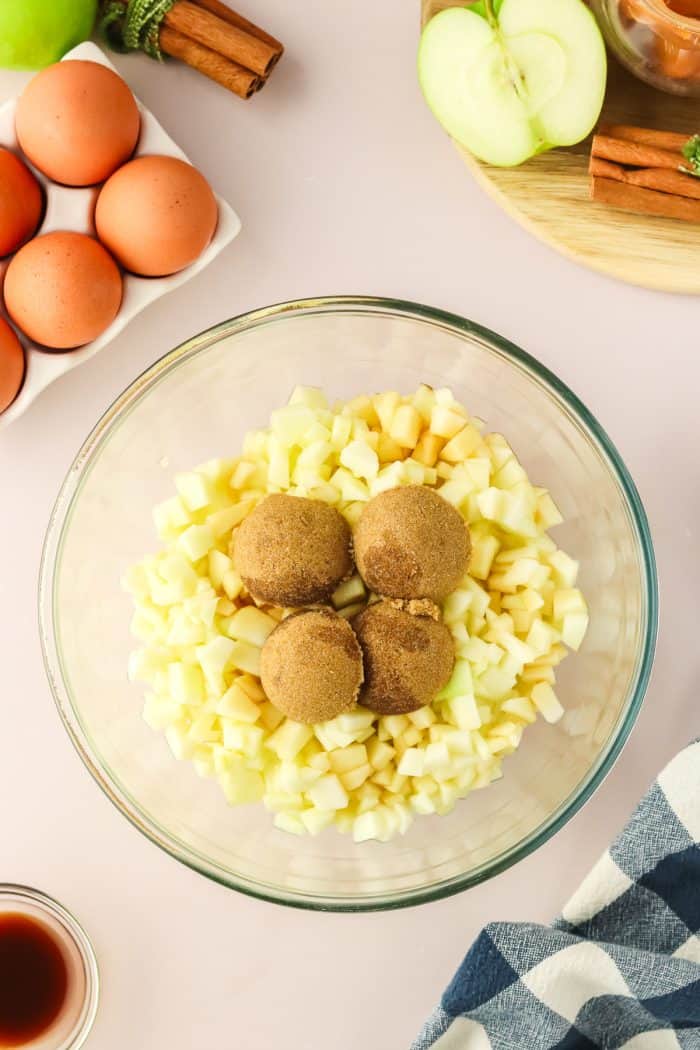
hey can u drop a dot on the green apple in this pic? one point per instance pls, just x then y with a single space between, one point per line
35 33
513 78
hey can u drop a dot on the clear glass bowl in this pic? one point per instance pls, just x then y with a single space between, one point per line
197 403
657 44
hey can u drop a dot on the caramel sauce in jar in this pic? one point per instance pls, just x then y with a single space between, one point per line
658 40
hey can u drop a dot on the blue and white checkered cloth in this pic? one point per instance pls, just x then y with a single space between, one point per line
619 969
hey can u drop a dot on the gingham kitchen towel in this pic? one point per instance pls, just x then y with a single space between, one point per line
619 969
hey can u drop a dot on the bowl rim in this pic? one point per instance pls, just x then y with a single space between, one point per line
71 487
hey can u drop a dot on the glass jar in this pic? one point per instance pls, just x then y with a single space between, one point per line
658 44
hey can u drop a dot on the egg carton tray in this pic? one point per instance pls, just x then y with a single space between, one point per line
69 208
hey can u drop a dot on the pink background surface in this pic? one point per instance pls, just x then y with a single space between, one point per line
345 185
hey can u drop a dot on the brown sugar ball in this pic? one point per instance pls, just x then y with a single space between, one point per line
311 666
407 658
293 551
411 543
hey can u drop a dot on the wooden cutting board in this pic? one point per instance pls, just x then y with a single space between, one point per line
549 195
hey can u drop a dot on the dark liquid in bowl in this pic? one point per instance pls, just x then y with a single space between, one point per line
33 979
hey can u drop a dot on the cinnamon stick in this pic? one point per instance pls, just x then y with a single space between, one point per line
666 140
634 153
230 41
643 201
223 11
660 179
231 75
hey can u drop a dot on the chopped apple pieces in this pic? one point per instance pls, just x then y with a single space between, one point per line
511 617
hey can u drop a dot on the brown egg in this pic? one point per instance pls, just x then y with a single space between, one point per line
20 202
156 215
63 289
12 365
77 122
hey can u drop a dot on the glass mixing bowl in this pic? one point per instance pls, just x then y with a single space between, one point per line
197 403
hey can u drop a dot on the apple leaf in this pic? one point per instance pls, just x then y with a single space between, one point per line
691 152
479 8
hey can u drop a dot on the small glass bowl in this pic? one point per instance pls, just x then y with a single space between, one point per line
655 43
72 1027
197 403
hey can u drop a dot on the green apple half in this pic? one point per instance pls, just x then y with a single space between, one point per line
512 79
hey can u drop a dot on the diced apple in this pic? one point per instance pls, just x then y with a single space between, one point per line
278 468
548 514
290 425
219 565
176 571
204 728
315 820
233 584
244 738
215 655
412 762
405 426
196 542
270 716
288 740
484 550
464 711
195 490
574 628
565 569
251 625
424 400
310 396
170 517
242 474
388 450
567 600
460 683
328 793
520 707
464 443
360 460
312 457
221 522
385 405
237 705
186 683
354 778
347 758
349 592
509 474
422 803
388 478
445 422
428 448
456 491
245 657
545 700
341 431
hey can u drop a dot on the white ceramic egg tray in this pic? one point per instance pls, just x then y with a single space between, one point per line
72 209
